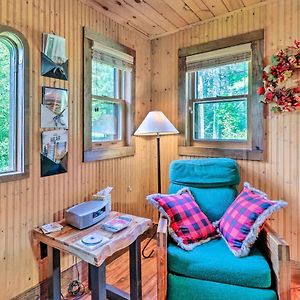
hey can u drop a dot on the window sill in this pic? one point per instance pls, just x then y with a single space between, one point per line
14 176
108 153
244 154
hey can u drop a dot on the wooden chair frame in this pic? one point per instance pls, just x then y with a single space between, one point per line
275 249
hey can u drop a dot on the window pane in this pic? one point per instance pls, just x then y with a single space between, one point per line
106 125
223 80
103 79
6 94
221 120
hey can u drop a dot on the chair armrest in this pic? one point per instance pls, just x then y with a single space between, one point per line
277 251
162 242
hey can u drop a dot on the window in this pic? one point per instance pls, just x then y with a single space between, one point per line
13 103
220 113
109 98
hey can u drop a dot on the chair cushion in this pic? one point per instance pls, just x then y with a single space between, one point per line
212 182
212 201
180 287
244 219
213 261
189 226
209 172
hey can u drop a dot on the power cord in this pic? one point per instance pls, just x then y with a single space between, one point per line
76 287
148 242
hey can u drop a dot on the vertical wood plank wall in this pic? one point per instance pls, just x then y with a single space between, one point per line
28 203
279 174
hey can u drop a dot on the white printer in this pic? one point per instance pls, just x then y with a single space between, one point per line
87 213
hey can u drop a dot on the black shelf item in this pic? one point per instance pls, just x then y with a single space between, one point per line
50 69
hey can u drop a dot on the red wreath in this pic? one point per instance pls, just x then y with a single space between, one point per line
279 88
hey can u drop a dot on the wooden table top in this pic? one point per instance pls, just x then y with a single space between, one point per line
67 239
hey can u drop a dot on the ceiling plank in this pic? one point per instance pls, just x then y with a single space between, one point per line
155 18
183 10
200 9
217 7
233 4
148 11
119 19
251 2
132 16
167 12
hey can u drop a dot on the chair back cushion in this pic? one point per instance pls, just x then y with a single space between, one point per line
212 182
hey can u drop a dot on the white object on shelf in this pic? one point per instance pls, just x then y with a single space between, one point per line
51 227
104 195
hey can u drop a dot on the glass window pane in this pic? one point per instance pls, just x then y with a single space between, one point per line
103 79
106 124
223 80
6 100
220 120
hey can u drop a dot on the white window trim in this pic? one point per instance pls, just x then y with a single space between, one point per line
21 98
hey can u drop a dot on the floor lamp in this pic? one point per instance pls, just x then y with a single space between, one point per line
155 124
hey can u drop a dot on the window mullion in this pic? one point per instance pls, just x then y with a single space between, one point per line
222 99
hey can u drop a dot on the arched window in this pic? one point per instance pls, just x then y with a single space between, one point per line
14 102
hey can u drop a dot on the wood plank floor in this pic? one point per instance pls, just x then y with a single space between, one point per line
118 274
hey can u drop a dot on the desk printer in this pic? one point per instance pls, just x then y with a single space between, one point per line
88 213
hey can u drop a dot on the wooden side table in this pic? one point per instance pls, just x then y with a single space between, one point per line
67 240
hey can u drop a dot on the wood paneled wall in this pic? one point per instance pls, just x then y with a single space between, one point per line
31 202
279 174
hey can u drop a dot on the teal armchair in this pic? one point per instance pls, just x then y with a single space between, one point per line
211 271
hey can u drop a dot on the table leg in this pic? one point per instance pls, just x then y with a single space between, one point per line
97 282
135 270
54 285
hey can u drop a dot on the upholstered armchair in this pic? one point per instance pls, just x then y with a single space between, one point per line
210 271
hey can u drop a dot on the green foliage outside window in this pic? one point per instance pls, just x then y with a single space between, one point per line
5 72
221 119
105 114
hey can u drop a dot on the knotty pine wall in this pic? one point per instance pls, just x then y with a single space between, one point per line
28 203
279 174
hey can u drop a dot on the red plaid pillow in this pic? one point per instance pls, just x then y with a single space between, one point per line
245 217
189 226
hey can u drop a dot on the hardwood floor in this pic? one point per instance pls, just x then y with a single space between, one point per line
118 274
295 285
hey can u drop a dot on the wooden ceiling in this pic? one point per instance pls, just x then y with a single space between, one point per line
154 18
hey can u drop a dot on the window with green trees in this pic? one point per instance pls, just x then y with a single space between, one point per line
109 98
220 114
220 105
6 81
107 108
13 96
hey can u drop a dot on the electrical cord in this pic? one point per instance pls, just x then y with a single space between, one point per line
146 245
76 287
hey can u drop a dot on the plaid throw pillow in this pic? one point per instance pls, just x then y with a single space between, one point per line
245 217
188 225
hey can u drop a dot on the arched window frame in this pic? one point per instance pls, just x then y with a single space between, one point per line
19 104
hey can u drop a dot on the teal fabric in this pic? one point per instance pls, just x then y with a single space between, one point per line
212 201
213 261
208 172
180 288
212 182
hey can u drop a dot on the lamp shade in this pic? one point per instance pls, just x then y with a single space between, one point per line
156 123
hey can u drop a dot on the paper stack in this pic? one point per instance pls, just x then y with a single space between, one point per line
51 227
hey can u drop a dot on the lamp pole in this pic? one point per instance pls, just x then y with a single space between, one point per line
158 164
